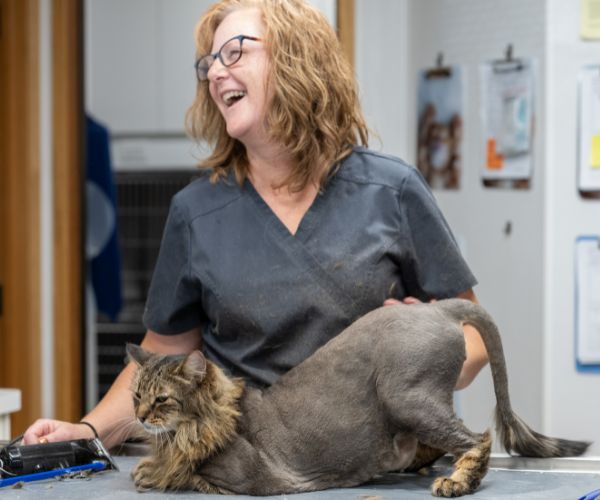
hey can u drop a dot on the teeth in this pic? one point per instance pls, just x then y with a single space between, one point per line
232 95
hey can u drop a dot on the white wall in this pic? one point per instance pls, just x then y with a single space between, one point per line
47 382
572 399
381 62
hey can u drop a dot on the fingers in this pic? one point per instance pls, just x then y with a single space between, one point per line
38 430
410 300
405 300
414 300
50 431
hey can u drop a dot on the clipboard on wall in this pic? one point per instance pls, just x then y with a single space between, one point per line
507 113
587 303
588 131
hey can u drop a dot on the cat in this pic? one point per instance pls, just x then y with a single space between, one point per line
376 398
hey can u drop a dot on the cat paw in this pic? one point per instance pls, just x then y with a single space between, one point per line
145 476
449 488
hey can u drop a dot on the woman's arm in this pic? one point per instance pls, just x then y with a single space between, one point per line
113 417
477 356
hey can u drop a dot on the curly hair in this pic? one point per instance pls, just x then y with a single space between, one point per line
314 113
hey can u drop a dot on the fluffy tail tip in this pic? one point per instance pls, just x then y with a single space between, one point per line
548 447
518 437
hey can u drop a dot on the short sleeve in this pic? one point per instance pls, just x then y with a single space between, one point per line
174 303
433 266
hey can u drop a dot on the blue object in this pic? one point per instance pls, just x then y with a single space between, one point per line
592 495
94 467
104 255
580 366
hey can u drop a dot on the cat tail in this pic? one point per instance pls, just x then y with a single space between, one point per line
513 432
517 436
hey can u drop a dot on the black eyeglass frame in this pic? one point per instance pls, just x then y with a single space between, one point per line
217 55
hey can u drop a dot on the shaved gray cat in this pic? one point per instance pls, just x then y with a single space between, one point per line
376 398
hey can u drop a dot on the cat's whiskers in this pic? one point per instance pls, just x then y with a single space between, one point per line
168 438
158 438
123 426
165 441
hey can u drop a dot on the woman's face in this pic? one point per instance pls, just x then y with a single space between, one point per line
240 90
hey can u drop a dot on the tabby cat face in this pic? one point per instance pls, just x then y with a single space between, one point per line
163 388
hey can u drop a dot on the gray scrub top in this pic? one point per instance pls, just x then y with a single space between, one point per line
266 299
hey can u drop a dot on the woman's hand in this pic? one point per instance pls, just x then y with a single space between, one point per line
46 430
405 300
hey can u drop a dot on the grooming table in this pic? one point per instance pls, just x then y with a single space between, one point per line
508 478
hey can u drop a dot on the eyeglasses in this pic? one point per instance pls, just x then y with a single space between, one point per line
229 53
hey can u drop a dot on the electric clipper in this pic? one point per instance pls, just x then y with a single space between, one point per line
42 461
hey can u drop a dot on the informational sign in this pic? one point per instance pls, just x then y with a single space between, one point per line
507 97
587 302
589 26
588 178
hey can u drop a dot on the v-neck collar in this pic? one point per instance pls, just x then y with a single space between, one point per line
307 222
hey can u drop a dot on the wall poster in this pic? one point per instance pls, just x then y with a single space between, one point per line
588 131
440 126
507 112
589 19
587 303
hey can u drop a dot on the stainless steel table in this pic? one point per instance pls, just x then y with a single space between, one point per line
509 477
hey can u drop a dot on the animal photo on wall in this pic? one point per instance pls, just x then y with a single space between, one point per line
440 126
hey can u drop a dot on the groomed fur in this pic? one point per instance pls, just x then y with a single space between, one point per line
376 398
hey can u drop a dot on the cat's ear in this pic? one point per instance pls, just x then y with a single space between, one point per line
194 365
136 354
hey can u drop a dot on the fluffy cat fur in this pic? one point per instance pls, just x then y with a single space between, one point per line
376 398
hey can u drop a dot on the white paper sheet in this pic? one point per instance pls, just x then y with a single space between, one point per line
587 300
507 112
588 178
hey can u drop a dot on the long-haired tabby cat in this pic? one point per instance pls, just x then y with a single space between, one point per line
376 398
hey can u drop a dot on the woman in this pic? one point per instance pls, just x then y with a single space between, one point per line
294 231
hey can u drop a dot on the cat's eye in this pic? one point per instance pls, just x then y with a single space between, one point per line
162 398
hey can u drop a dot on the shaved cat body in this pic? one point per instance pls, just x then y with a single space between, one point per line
364 404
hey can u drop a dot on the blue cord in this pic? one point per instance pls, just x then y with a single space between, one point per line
592 495
38 476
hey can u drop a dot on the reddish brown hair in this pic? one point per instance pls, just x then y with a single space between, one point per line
314 114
